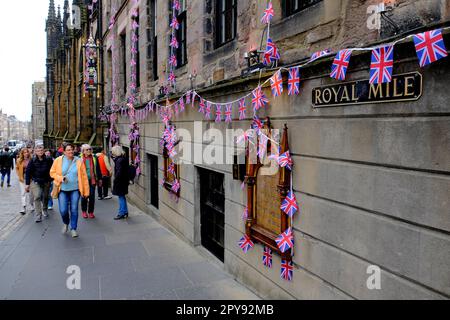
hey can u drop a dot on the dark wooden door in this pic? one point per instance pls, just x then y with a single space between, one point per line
154 185
213 212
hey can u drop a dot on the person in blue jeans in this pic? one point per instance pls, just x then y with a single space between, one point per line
48 154
6 165
121 180
70 183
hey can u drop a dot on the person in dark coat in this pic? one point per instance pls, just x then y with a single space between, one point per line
121 180
6 165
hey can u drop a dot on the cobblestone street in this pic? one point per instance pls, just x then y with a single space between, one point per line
134 259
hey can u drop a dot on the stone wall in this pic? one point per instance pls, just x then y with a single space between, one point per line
372 180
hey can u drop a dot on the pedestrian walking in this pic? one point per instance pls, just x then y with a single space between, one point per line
106 171
6 165
70 183
49 154
37 179
121 181
94 175
21 167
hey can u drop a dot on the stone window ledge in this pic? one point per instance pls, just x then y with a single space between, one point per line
221 52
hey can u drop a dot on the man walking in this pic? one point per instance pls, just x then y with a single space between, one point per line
6 165
105 168
37 179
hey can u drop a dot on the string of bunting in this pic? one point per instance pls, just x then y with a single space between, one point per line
429 47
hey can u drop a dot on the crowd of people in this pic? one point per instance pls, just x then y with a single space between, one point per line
71 175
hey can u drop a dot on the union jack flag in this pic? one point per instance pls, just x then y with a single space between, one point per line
174 42
340 64
182 106
175 23
285 241
268 13
172 77
176 108
277 84
242 109
228 113
289 205
176 5
257 124
271 53
188 97
294 81
246 243
287 270
319 54
430 47
285 160
171 168
267 257
218 113
259 99
173 60
245 137
208 110
382 65
263 139
202 106
176 186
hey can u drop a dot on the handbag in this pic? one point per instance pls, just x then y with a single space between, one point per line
57 189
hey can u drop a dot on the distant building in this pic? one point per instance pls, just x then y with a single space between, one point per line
38 110
13 129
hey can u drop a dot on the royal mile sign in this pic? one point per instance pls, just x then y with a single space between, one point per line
404 87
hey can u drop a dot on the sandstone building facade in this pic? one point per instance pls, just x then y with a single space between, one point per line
39 97
372 179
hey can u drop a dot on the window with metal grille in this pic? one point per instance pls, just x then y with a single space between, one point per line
226 21
294 6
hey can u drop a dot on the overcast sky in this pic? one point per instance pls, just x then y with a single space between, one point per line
22 54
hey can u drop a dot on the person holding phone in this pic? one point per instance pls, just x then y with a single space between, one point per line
70 183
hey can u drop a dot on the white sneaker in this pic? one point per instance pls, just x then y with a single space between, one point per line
50 208
74 234
45 214
108 198
65 229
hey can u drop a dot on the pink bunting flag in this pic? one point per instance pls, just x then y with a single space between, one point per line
218 113
229 113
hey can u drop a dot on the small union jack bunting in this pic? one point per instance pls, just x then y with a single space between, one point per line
246 243
188 97
319 54
285 160
287 270
272 54
289 205
382 65
257 124
182 106
171 169
228 113
218 113
176 186
175 24
208 111
285 241
202 106
268 13
277 84
173 61
176 5
267 257
340 64
174 42
176 108
172 78
242 109
262 146
430 47
294 81
259 99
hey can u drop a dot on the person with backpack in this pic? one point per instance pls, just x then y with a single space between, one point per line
121 180
106 172
94 175
70 183
6 165
37 180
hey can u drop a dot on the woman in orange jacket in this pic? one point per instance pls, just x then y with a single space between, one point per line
70 182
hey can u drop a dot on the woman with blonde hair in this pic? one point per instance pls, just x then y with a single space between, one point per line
94 175
70 182
21 167
121 181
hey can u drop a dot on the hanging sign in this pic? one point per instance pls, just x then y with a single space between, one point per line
404 87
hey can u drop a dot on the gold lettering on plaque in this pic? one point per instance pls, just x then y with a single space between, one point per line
409 84
376 90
